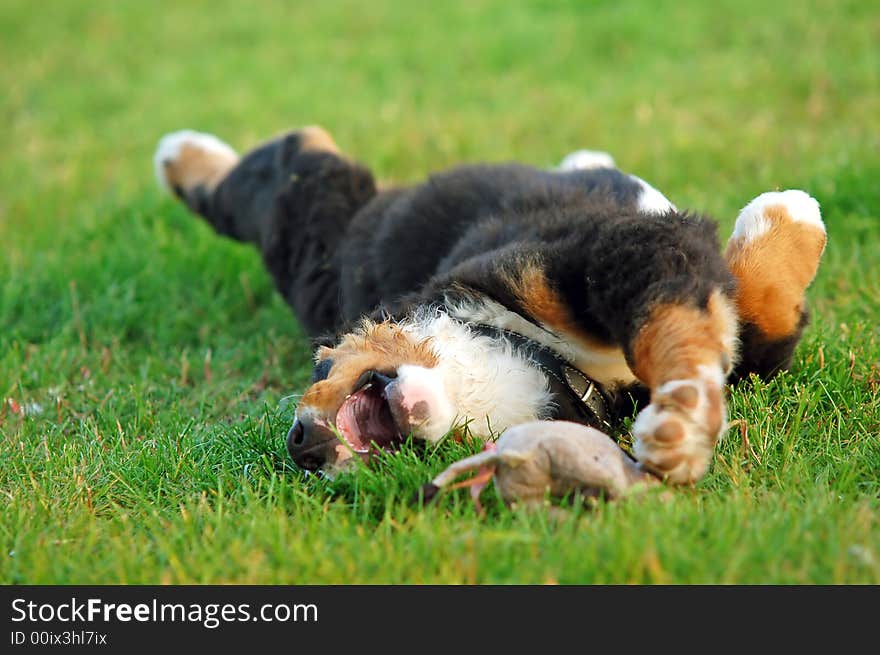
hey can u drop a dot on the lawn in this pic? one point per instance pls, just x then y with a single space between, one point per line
148 370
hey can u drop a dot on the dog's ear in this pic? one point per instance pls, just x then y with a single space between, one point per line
332 338
394 311
325 340
381 314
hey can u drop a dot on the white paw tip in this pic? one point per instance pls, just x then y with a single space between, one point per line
801 206
170 145
585 160
651 201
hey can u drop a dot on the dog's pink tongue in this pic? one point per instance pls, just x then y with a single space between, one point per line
359 421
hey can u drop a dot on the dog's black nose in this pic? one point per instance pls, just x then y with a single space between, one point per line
309 445
296 436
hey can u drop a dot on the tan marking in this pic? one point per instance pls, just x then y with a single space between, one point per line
774 270
683 342
316 139
377 346
601 361
676 339
533 291
195 166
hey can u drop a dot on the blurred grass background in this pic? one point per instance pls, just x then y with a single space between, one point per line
144 362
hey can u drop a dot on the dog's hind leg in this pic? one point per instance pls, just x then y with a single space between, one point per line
293 197
186 161
774 254
649 200
234 194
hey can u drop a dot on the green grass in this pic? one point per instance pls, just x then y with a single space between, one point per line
161 357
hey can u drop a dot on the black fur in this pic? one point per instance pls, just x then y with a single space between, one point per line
295 207
425 237
765 358
609 264
338 249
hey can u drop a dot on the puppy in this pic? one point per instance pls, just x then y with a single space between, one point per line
493 295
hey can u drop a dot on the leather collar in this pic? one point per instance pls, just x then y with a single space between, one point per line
577 397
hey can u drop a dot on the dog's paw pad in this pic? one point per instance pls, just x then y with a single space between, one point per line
185 159
676 434
670 432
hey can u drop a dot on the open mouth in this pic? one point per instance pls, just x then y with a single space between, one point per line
365 420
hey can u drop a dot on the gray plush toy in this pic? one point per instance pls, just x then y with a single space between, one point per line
556 458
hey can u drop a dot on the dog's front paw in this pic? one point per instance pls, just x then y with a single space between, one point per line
676 434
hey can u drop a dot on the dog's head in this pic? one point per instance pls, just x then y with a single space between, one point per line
375 388
421 378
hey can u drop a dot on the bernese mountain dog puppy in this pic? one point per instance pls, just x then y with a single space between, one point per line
492 295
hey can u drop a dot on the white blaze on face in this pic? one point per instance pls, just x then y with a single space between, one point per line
420 402
478 381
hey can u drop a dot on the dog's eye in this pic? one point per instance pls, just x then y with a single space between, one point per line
321 370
